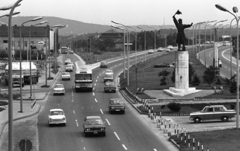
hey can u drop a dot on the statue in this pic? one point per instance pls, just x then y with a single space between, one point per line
180 27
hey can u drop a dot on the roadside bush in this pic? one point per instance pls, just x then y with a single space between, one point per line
196 80
175 107
233 87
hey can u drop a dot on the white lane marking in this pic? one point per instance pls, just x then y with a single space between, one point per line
76 123
93 88
91 107
101 111
93 94
95 100
155 149
96 81
72 100
73 112
84 148
83 108
108 122
117 136
124 146
95 84
72 93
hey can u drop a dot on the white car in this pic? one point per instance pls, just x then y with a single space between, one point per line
150 51
108 72
69 68
66 76
56 116
170 47
59 89
67 61
71 64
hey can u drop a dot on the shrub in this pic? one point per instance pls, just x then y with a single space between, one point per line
175 107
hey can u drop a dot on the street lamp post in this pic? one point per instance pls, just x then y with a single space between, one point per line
235 10
128 42
10 98
124 51
145 46
20 52
154 40
231 48
223 31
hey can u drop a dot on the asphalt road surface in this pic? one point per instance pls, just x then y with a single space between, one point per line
123 131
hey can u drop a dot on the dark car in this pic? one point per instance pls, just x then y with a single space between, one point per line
117 105
94 125
103 64
212 112
110 86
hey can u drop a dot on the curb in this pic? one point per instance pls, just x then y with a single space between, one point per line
129 100
19 118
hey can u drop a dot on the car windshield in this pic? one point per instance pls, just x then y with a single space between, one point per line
117 102
94 122
59 86
65 73
56 113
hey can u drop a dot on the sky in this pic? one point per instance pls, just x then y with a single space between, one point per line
127 12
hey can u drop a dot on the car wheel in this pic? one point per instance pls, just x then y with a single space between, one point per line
123 112
64 124
104 134
224 118
110 111
197 120
86 134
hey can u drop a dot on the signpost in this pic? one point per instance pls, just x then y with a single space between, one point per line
25 145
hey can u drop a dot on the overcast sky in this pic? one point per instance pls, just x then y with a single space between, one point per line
128 12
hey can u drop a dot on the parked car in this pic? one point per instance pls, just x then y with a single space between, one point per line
58 89
94 125
56 116
212 112
71 52
117 105
103 64
69 68
164 65
110 86
66 76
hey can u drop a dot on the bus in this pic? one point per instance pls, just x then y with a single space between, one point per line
83 79
64 50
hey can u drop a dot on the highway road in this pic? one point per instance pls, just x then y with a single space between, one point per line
123 131
224 56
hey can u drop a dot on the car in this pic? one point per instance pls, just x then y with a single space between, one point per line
58 89
71 64
219 63
108 78
167 50
110 86
94 125
66 76
212 112
117 105
170 47
150 51
160 49
164 65
108 72
103 64
68 60
56 116
70 52
69 68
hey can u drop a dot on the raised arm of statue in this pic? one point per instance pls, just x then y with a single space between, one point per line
175 21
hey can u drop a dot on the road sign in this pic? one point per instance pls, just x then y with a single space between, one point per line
25 145
127 43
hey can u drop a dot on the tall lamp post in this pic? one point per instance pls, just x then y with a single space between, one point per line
235 10
10 98
145 42
154 40
231 48
135 43
20 57
223 30
124 51
128 42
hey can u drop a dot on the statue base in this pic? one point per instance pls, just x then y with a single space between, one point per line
182 49
180 92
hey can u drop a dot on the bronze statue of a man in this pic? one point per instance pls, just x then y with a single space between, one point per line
180 35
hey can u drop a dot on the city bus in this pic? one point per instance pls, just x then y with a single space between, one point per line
83 79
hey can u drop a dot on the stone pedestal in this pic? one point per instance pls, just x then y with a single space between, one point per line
181 76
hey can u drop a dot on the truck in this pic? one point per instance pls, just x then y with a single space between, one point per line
83 79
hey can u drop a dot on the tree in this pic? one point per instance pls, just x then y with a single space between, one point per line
173 76
163 74
210 75
191 72
196 80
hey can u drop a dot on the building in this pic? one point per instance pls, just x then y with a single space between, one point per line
32 37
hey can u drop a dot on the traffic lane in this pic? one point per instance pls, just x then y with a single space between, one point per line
87 106
59 137
133 133
190 126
